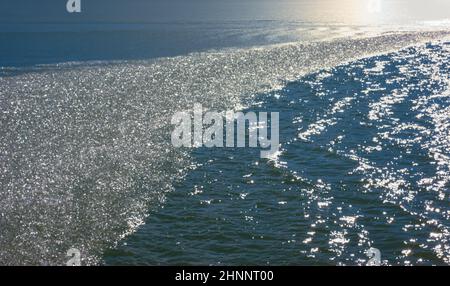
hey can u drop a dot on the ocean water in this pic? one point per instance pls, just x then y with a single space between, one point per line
364 163
86 160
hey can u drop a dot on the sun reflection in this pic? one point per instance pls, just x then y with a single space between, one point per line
350 11
357 12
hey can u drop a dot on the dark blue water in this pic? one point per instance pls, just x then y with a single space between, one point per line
28 45
364 163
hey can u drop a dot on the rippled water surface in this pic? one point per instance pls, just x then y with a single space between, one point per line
86 160
365 163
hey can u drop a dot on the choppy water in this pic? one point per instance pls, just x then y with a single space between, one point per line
365 163
86 157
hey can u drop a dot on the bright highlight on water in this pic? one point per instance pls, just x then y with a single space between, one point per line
288 133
